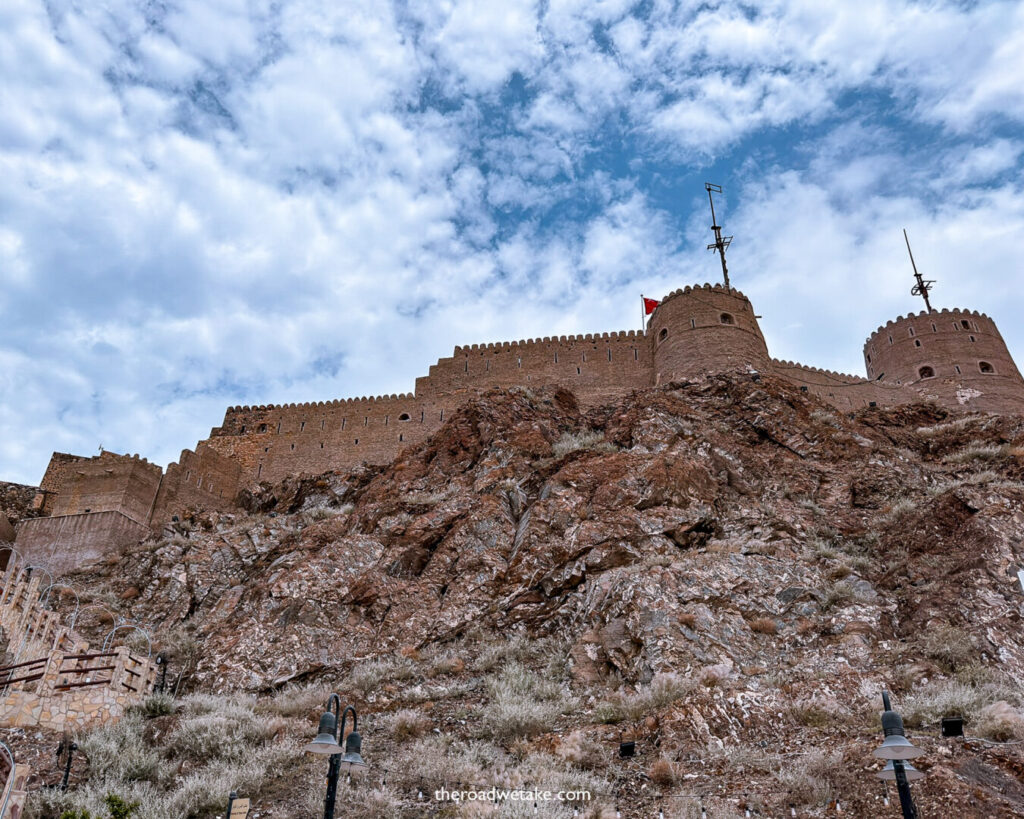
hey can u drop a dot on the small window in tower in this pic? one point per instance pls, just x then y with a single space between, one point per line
934 328
663 334
261 428
726 318
926 372
693 324
965 324
971 338
242 430
957 368
911 332
403 417
985 367
302 426
917 342
577 371
869 358
401 437
890 339
293 447
357 440
321 445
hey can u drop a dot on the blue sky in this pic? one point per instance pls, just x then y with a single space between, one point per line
216 202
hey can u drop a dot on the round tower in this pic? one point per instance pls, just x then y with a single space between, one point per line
956 357
705 329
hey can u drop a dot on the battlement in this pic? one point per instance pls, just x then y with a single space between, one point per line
924 314
579 338
716 288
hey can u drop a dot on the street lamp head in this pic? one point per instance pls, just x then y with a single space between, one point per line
896 745
352 762
325 742
889 772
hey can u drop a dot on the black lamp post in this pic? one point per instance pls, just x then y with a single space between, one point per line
161 660
327 742
69 748
897 748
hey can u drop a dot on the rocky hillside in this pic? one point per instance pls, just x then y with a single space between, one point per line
726 571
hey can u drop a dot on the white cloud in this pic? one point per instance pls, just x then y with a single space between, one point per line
216 203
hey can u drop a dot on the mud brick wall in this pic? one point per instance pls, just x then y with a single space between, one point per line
61 543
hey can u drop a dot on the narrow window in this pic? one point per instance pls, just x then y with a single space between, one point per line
519 362
577 371
917 342
487 366
926 372
293 447
636 355
890 339
467 365
188 474
584 357
302 426
965 324
401 437
609 353
985 367
726 318
261 428
242 430
321 445
322 424
911 332
259 470
663 335
366 420
869 358
385 420
343 423
556 358
971 338
421 416
442 415
934 328
278 427
266 449
693 324
957 368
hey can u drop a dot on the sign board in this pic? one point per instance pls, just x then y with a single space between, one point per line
239 809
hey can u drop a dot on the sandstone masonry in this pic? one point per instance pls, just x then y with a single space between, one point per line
955 358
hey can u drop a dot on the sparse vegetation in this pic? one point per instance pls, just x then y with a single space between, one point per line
977 451
663 690
763 625
589 440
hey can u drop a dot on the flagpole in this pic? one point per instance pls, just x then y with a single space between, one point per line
642 313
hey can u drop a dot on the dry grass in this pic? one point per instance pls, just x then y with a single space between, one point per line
408 724
582 751
664 689
590 440
950 646
662 773
522 704
978 451
763 625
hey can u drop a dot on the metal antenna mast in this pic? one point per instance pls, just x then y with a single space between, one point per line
721 242
923 285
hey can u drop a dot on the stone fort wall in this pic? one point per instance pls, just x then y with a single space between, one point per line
954 357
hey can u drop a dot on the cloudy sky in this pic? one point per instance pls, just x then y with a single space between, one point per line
206 203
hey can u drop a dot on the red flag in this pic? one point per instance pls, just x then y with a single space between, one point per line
649 305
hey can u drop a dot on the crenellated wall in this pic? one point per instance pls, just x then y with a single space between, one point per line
947 353
952 357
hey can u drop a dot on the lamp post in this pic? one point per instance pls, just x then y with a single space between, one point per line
69 748
327 741
897 748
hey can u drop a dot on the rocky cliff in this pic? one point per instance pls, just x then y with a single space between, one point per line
767 563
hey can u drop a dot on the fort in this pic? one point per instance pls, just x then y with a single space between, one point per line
953 357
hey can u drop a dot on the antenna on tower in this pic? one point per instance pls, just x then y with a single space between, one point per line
721 242
923 285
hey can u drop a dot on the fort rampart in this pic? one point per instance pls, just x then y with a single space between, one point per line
956 358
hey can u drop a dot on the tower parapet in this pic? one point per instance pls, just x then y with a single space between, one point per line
957 357
705 329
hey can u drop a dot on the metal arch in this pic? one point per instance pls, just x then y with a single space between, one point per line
91 606
115 629
78 601
14 771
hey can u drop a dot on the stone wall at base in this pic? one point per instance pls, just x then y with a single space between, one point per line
61 543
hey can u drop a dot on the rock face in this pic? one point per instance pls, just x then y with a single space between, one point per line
616 526
730 529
